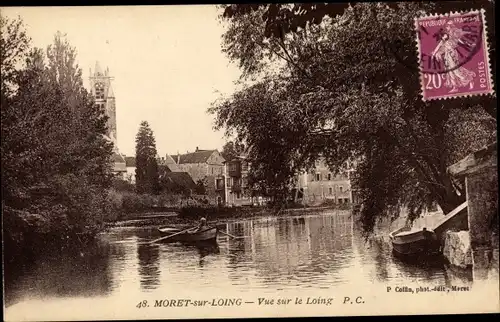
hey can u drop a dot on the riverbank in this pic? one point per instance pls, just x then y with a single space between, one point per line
223 215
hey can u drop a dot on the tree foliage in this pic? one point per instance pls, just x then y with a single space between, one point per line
146 171
232 149
55 159
346 87
201 187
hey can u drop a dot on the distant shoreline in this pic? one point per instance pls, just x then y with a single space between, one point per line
172 218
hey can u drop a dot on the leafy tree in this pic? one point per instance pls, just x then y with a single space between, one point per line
231 150
146 171
200 187
55 159
347 88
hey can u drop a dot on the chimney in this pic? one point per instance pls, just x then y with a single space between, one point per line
178 157
196 149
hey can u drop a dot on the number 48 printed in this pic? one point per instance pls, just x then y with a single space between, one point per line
142 304
433 81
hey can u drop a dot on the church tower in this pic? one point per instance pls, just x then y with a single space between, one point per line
100 84
101 89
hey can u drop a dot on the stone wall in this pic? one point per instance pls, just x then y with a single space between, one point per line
457 248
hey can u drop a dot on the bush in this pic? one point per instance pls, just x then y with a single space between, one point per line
133 202
122 185
170 200
136 202
80 205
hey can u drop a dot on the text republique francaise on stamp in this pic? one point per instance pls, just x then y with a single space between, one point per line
453 55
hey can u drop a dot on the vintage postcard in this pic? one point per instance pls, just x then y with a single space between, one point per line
249 160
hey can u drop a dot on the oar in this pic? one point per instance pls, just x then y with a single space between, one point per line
166 237
236 237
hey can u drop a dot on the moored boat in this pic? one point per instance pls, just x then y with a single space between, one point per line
208 234
427 241
408 242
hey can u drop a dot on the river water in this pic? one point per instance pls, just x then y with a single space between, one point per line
315 251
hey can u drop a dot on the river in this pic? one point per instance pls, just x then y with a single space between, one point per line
315 251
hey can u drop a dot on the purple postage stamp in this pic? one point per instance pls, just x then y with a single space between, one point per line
453 55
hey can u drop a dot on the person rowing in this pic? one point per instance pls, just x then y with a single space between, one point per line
201 226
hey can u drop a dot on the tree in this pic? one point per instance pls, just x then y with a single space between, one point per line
347 89
55 159
200 187
231 150
146 171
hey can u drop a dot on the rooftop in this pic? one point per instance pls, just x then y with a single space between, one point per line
200 156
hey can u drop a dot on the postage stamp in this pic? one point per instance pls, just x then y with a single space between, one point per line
453 55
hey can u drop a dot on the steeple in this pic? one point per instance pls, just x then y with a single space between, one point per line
111 94
97 69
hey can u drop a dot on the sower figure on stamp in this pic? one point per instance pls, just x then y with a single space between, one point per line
446 49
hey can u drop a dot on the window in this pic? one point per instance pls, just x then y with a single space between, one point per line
229 182
212 170
330 190
99 91
318 176
341 188
329 177
238 195
340 200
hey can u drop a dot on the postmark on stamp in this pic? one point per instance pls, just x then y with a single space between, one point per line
453 55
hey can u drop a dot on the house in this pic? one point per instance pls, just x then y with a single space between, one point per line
201 163
130 169
173 179
119 165
177 183
169 163
319 184
237 191
206 166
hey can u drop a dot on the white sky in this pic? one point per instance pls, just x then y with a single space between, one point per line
166 62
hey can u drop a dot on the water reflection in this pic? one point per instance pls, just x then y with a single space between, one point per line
82 272
149 265
290 251
310 251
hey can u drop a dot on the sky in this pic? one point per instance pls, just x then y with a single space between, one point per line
166 62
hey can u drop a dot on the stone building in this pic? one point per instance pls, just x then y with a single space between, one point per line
320 184
167 162
130 166
101 89
206 166
237 191
480 171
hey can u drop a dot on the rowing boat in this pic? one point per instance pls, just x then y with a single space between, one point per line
208 234
407 242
